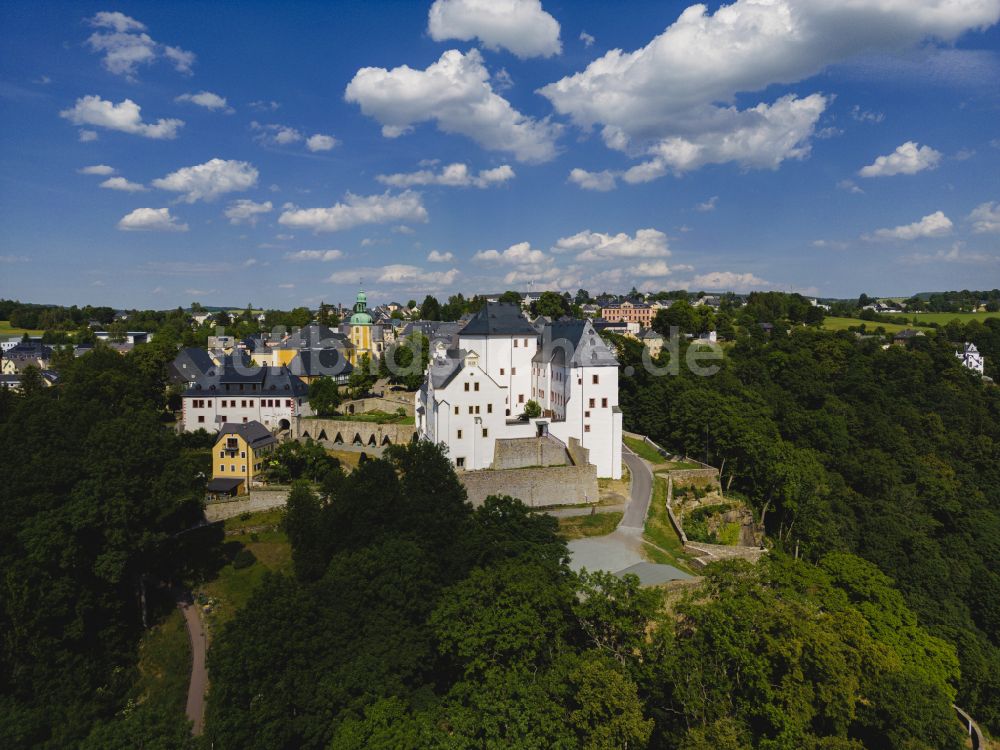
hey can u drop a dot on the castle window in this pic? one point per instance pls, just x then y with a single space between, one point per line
456 410
586 428
459 435
222 468
466 386
596 379
592 403
476 388
604 403
486 433
501 371
489 408
460 462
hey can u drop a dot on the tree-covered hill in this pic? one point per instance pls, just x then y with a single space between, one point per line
413 621
842 445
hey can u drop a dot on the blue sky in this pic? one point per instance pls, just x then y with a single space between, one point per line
159 153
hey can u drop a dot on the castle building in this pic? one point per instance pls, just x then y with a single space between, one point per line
239 391
476 393
972 359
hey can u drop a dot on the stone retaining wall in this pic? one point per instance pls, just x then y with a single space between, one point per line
519 453
553 485
258 500
337 433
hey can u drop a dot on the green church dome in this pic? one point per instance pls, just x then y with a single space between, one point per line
361 316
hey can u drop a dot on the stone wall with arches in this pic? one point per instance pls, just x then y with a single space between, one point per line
344 433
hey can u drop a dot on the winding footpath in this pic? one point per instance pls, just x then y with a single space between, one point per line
199 674
642 491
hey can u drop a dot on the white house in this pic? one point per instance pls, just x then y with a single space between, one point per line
239 391
477 393
971 358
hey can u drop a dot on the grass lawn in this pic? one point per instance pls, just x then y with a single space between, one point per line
165 665
615 491
599 524
348 459
661 532
6 330
842 324
678 466
232 588
945 318
644 450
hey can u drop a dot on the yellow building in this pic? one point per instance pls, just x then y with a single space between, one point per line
238 457
364 335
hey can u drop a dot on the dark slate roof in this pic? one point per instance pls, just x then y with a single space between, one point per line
442 371
315 336
191 363
268 381
29 349
316 362
223 484
499 319
253 432
574 343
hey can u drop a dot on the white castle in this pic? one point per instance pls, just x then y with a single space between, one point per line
971 358
475 394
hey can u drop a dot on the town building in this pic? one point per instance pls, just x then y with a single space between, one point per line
629 312
238 457
240 391
476 394
971 358
361 331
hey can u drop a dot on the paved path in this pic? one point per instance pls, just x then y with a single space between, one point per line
622 548
199 675
642 491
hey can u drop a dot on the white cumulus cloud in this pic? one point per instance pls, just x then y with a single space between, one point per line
246 211
932 225
520 254
452 175
322 255
602 181
125 45
728 281
454 92
672 99
209 180
438 257
125 117
520 26
320 142
151 220
399 274
651 268
208 100
357 210
986 218
909 158
120 183
597 246
100 169
86 136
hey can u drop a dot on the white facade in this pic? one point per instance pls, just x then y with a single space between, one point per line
466 411
242 392
568 370
507 360
209 412
972 359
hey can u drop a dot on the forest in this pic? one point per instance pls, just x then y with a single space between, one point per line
408 619
846 446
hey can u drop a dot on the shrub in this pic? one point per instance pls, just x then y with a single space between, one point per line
244 559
